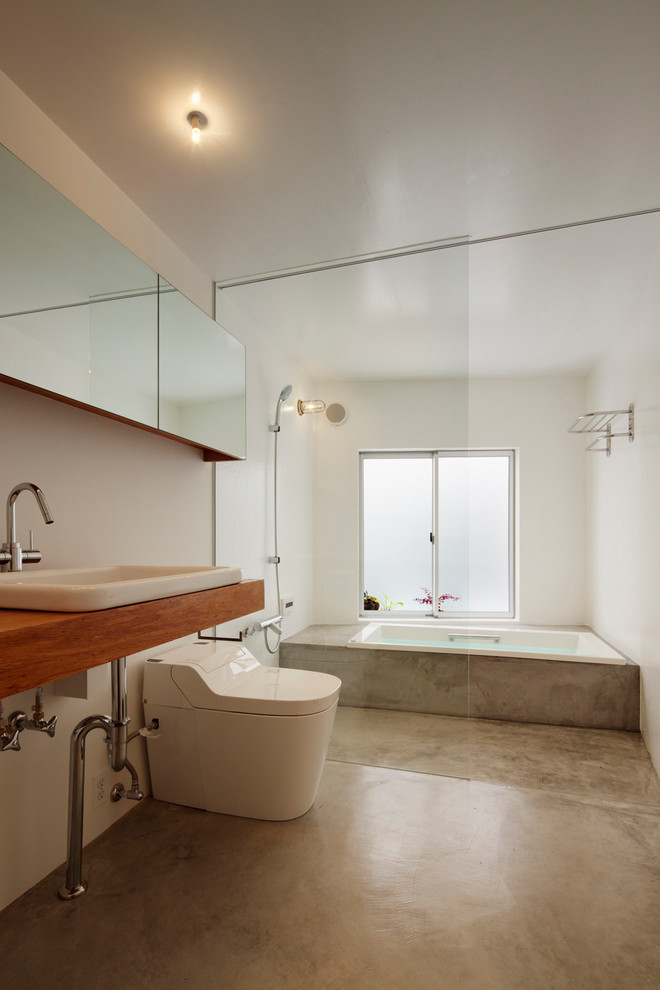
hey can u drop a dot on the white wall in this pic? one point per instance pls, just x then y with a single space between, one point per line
122 495
624 545
532 415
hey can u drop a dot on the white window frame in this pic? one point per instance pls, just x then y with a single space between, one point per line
435 456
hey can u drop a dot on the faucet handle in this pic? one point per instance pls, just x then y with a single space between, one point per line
31 556
10 740
49 726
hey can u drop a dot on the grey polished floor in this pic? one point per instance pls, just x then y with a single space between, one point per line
600 762
540 873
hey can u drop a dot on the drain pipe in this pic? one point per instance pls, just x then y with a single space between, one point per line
73 885
120 719
116 739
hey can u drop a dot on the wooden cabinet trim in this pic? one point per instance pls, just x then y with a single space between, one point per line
208 453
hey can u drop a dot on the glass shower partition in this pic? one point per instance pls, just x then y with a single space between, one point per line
386 339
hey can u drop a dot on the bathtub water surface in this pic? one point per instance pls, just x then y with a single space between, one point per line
547 644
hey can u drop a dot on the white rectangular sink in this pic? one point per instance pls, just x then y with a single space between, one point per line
90 589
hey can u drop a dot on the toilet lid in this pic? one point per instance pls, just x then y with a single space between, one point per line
256 690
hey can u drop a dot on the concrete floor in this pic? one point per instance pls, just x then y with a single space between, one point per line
614 766
540 872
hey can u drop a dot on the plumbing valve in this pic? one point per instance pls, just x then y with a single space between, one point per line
41 725
119 791
10 730
38 721
9 737
15 725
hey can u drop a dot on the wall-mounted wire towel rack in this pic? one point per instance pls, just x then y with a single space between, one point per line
606 424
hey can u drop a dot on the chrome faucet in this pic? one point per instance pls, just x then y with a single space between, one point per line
12 555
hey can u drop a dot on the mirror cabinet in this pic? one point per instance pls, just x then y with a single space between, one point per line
85 321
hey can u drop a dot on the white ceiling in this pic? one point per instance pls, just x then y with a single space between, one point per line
344 128
549 303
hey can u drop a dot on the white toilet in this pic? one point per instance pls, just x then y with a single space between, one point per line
234 736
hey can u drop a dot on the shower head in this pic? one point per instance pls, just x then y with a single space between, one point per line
284 395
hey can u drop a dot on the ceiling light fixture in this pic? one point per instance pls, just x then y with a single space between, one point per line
310 406
198 122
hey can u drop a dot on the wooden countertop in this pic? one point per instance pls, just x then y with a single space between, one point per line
40 647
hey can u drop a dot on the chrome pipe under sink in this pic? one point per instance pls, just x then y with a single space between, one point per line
116 739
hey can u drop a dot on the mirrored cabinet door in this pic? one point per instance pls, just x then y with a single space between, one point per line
52 255
123 363
78 310
201 376
82 320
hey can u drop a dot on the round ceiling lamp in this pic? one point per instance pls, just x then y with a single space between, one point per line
197 122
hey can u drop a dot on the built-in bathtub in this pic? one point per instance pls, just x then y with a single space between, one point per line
513 680
548 644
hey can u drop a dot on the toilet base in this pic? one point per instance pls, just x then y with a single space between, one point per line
255 766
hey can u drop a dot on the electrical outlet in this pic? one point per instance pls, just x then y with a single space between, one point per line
99 789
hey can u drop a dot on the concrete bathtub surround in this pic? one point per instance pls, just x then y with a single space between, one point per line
587 693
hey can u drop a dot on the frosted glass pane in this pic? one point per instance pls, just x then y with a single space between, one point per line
398 515
473 532
452 533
